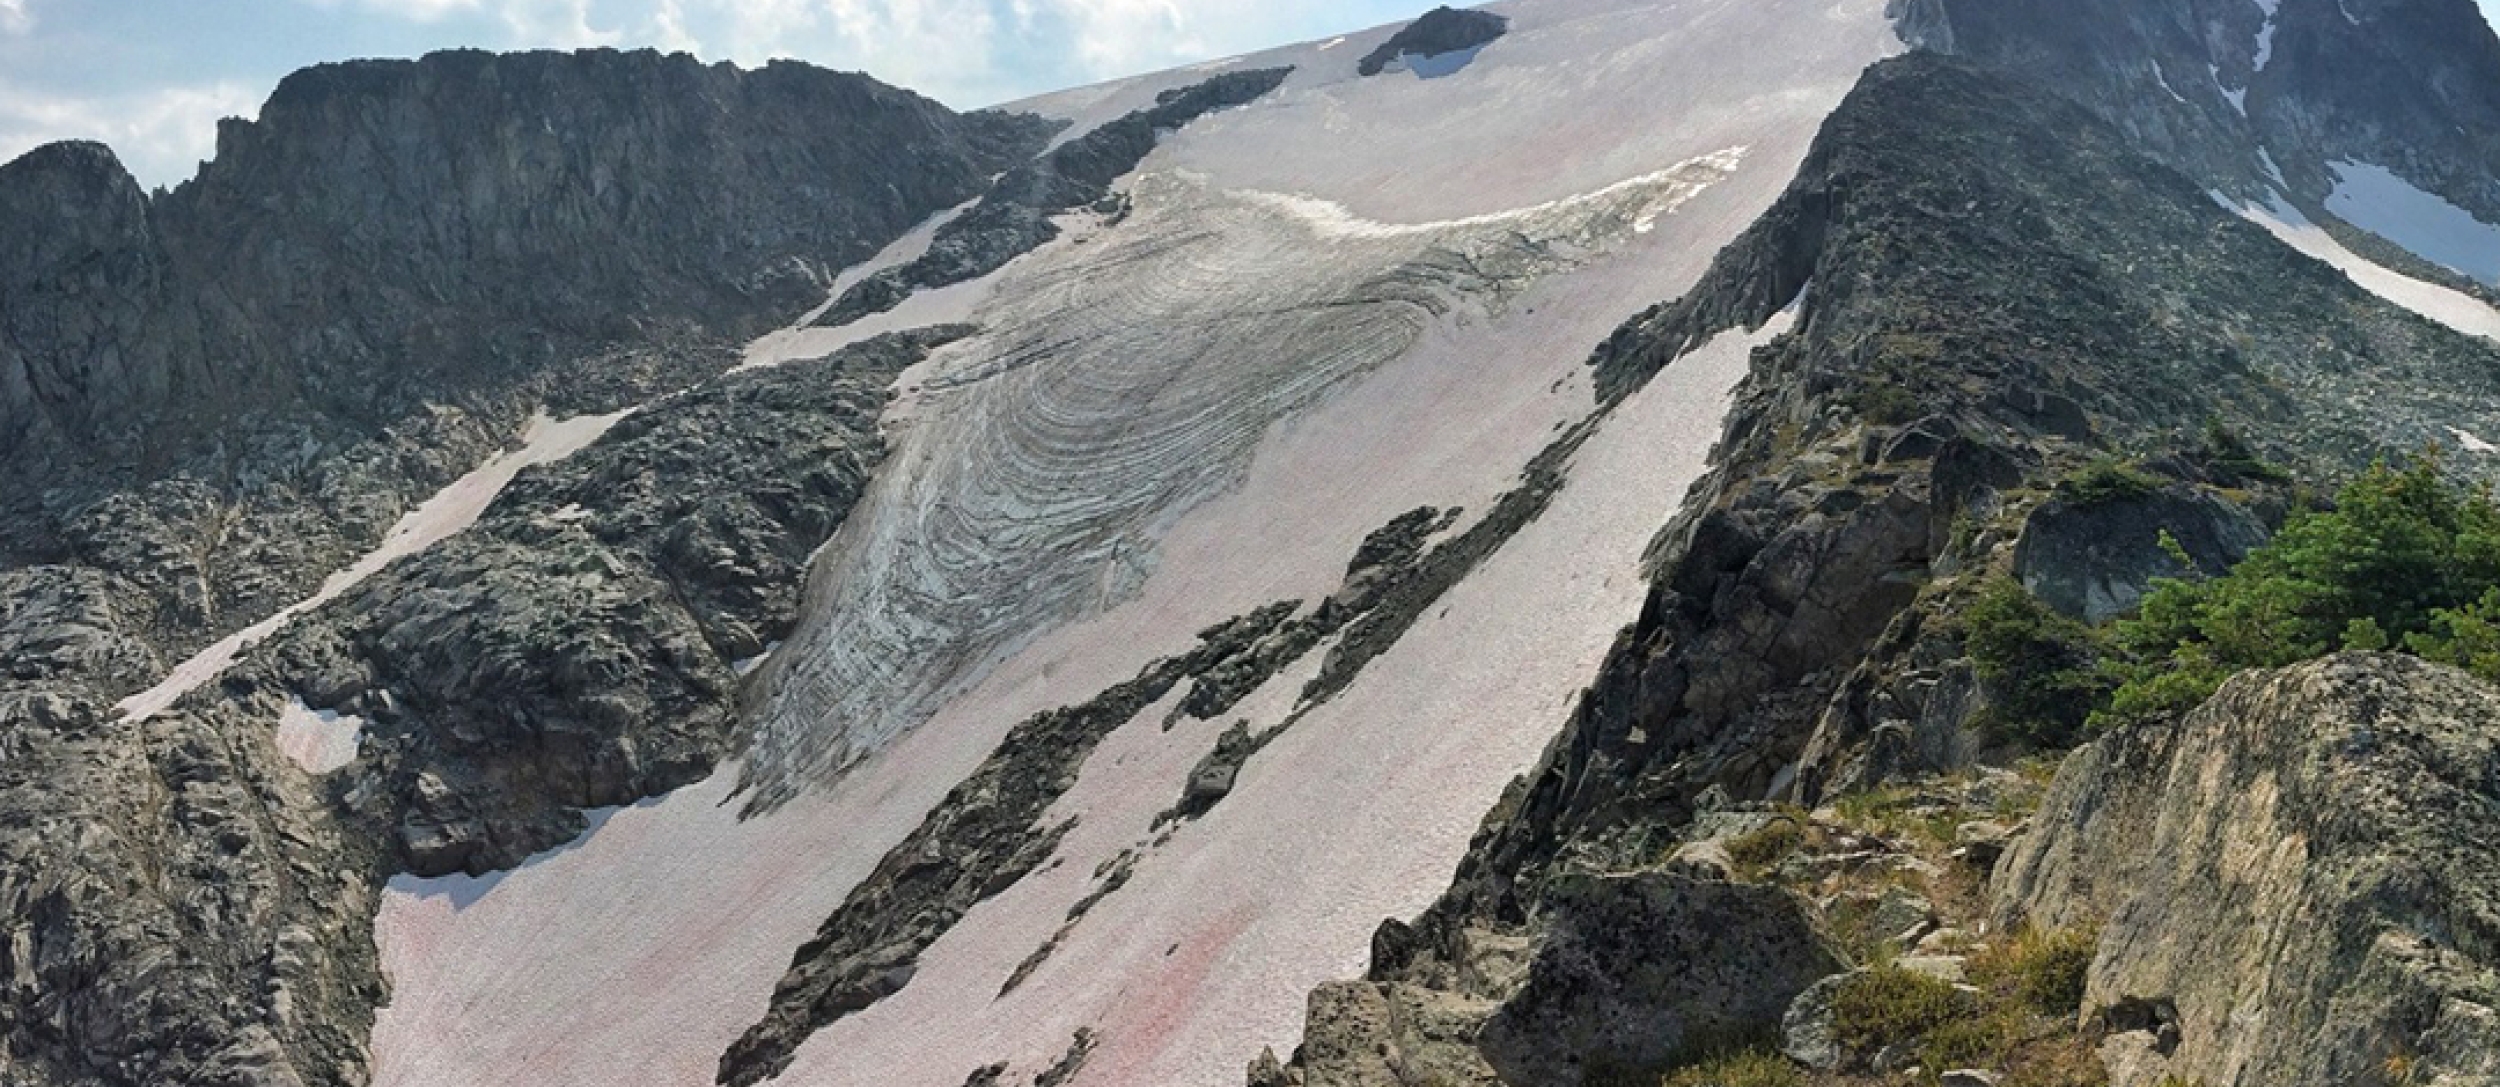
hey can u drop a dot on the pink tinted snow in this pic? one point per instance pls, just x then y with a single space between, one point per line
318 740
637 954
1357 813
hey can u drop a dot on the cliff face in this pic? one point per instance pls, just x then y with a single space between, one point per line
391 233
2233 92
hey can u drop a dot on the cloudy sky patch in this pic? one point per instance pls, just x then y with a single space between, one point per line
151 77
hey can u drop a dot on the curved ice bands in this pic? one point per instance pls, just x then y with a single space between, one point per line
1122 382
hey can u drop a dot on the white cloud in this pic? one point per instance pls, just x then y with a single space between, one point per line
668 29
553 24
423 11
161 135
1119 37
15 18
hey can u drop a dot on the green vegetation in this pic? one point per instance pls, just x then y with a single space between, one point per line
1758 851
2021 1020
2043 968
1743 1068
2043 670
2106 479
2403 560
1888 1004
1885 404
2230 455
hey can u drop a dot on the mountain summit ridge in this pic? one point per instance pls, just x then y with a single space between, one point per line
589 568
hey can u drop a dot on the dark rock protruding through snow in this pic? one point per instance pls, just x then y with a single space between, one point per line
1014 217
1441 31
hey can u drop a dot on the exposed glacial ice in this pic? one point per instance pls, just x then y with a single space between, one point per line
1344 301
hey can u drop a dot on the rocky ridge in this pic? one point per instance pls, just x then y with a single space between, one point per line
1968 255
219 394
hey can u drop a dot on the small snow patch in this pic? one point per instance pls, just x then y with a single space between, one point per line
2265 34
2163 78
2238 98
2471 443
748 665
320 741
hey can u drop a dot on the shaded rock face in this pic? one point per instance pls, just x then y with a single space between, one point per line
577 647
1439 31
64 624
1636 971
2296 879
540 207
2411 85
2095 561
181 904
1643 970
180 909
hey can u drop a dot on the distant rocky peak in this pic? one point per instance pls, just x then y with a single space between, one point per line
2257 97
390 233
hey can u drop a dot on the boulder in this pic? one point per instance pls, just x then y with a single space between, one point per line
1642 970
1809 1031
2296 879
2094 560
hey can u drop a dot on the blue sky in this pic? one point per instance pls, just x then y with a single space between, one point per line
151 77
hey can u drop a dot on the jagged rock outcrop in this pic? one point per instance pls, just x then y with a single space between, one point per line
2294 884
1437 32
183 904
578 647
1636 971
1640 971
179 906
542 207
1014 216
